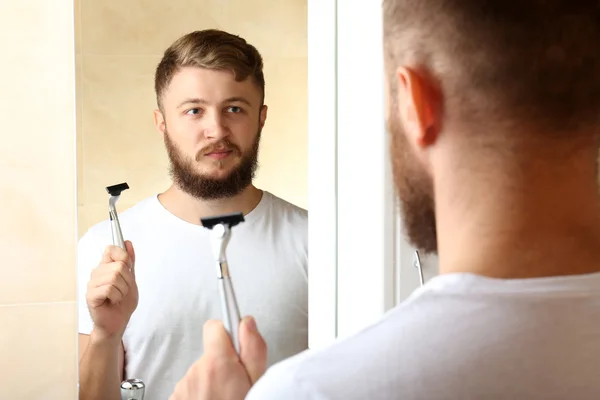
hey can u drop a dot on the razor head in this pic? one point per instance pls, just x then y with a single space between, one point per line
230 220
115 190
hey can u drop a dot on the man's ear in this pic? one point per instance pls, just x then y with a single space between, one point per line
263 115
159 121
416 105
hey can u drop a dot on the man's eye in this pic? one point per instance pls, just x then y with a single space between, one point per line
193 111
235 109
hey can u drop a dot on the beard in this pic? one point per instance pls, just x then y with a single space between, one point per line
203 187
414 188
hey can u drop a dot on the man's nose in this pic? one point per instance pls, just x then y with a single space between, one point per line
215 127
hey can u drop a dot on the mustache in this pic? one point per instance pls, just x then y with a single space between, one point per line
222 145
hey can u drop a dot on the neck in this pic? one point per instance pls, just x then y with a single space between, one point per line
519 222
191 209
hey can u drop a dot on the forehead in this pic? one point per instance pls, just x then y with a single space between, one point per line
212 86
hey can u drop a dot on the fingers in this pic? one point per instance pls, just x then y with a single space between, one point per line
115 270
187 387
115 253
253 349
98 295
217 342
118 260
131 253
219 372
114 278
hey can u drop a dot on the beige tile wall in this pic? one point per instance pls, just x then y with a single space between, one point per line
120 44
38 203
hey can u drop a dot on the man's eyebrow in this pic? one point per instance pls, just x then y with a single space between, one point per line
237 99
192 101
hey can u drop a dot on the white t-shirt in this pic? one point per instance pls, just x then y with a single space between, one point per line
461 337
178 290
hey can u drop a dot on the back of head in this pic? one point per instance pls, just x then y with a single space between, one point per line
210 49
531 64
507 90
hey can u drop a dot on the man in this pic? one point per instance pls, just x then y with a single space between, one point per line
494 116
210 93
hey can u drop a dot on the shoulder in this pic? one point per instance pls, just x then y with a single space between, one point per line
313 374
289 221
94 240
288 211
282 382
137 212
99 235
141 211
342 370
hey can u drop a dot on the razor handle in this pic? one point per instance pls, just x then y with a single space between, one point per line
231 313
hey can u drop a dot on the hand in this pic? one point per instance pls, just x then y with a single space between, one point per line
112 294
220 373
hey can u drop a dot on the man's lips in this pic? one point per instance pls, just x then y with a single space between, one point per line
219 154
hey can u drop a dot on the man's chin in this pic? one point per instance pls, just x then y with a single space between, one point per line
216 169
218 166
217 176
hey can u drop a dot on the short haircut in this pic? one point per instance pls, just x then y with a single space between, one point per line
211 49
533 63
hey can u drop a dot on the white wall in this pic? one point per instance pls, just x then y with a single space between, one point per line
38 201
322 168
365 199
359 264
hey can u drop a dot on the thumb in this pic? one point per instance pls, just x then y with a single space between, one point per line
216 340
131 252
253 349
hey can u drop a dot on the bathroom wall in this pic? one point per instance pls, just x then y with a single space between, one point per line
37 186
121 42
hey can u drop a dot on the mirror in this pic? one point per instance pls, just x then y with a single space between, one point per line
190 156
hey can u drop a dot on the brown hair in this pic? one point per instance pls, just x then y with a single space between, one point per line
533 63
211 49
